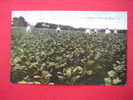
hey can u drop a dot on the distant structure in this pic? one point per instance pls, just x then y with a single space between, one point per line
28 28
91 31
107 31
45 25
95 30
88 31
58 29
115 31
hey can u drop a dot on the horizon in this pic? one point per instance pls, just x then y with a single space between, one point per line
77 19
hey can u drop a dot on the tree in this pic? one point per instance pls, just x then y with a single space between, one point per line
19 21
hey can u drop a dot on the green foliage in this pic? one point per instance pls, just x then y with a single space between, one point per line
44 57
118 73
19 21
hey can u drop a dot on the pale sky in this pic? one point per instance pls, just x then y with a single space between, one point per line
85 19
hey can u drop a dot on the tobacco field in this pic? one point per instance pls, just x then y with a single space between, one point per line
69 58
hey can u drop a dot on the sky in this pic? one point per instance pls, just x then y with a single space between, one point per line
77 19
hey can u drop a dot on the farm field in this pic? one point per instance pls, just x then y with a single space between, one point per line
71 57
